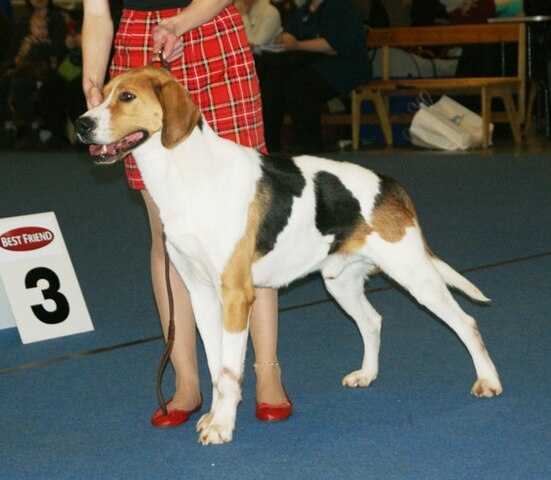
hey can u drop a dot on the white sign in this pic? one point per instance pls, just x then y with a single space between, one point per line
38 279
6 317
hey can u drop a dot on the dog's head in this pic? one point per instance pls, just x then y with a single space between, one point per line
136 105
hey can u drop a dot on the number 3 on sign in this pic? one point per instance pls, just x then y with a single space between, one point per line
39 279
61 311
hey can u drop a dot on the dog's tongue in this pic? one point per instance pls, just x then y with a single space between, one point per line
114 149
100 150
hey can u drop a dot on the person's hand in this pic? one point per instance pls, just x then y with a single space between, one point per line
166 40
289 41
93 96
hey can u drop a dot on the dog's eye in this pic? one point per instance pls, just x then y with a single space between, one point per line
126 97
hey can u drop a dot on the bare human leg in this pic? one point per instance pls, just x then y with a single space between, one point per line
263 329
264 334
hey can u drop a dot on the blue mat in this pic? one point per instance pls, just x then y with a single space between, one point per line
82 411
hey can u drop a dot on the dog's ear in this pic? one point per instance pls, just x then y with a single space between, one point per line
180 114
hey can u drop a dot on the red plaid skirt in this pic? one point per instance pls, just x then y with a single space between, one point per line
217 68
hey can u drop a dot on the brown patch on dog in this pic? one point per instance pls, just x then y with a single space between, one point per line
143 113
476 333
393 213
231 375
180 114
237 290
357 239
237 279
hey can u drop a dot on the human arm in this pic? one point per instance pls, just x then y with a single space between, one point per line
97 37
267 24
337 30
314 45
166 34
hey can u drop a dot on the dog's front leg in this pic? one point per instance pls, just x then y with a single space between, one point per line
206 303
217 426
207 309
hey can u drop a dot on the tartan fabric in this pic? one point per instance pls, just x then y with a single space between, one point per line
216 67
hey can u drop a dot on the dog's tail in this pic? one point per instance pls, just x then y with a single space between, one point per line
456 280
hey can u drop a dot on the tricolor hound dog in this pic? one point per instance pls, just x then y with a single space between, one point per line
235 219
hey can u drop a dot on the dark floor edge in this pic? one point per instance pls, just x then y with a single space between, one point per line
75 356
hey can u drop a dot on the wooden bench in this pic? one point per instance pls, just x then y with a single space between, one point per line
378 91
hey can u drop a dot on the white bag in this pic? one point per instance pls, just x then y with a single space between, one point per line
446 125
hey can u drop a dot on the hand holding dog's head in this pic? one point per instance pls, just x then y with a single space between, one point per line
137 105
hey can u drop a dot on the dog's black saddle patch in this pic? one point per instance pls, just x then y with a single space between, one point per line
338 212
284 181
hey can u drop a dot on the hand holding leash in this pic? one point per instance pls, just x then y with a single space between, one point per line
166 42
161 59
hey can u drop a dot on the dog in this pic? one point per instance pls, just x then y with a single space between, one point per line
235 218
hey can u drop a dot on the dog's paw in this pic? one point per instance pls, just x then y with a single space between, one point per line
358 379
204 421
486 388
216 434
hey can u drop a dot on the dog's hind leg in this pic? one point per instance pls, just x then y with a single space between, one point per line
345 282
410 265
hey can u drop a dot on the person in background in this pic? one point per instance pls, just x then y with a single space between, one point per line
285 9
261 20
26 111
57 26
205 43
38 37
325 56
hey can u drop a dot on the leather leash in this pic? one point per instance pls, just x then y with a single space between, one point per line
170 335
171 329
162 60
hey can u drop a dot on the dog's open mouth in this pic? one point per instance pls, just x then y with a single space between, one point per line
106 154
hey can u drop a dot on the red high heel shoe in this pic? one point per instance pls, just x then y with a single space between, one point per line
174 417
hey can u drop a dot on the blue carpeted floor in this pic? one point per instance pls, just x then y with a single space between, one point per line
79 407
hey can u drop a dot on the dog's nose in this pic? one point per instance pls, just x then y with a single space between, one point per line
85 125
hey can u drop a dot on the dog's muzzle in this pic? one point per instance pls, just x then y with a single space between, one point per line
107 153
